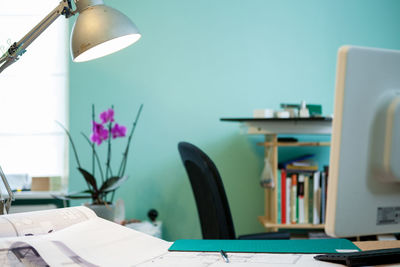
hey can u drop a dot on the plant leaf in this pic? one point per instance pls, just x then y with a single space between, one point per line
89 178
75 197
113 183
72 143
87 191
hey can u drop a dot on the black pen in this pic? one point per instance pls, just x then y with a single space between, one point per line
224 256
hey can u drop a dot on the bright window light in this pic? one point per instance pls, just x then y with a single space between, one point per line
34 93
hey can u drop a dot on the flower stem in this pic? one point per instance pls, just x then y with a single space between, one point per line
92 144
108 170
96 157
125 154
112 196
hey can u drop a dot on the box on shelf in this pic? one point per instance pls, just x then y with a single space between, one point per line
46 183
263 113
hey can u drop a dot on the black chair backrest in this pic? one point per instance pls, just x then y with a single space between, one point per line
208 189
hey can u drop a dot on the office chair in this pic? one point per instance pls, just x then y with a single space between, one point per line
212 204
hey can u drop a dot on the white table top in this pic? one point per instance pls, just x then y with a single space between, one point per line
37 194
322 125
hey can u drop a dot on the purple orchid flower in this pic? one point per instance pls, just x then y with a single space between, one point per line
107 116
99 133
118 131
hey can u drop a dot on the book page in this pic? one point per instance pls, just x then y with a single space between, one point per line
42 222
94 242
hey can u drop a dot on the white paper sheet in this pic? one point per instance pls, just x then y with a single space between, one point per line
212 259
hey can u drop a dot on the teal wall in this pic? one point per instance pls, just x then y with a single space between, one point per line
199 61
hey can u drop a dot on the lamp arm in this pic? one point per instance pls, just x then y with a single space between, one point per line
17 49
10 198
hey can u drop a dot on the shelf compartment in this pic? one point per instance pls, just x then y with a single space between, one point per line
293 144
269 225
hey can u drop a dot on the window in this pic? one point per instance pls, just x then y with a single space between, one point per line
34 92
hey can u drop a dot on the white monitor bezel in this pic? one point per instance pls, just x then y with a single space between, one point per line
354 193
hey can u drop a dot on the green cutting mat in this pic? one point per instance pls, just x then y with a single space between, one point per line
302 246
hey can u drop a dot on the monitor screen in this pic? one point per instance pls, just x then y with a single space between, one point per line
364 176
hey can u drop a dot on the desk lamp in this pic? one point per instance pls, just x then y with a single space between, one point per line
5 203
98 31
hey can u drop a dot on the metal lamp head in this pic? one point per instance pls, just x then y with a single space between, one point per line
100 30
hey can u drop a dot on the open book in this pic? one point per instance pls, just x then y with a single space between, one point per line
72 237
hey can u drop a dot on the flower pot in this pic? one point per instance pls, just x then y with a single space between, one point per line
106 212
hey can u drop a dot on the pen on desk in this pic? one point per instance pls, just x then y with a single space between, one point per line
224 256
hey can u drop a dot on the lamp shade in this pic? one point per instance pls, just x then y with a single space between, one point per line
101 30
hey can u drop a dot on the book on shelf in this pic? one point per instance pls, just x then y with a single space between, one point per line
306 197
310 198
293 199
288 197
317 198
301 197
300 164
279 198
302 160
283 196
71 237
323 196
295 168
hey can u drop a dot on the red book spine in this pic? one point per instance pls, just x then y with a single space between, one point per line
283 196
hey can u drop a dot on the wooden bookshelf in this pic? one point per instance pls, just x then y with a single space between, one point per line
270 217
271 128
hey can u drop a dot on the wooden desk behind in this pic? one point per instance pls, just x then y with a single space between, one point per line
372 245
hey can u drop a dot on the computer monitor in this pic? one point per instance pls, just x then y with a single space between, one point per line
364 175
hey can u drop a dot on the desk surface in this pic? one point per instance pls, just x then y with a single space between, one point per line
259 259
279 119
372 245
37 194
318 125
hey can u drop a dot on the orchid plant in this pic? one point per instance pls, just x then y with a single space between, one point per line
103 132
